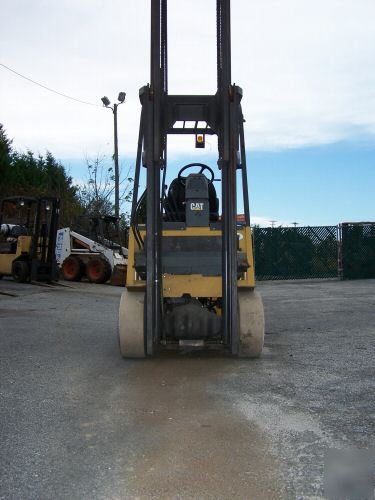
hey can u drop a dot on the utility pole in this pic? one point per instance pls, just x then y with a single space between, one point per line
106 102
117 170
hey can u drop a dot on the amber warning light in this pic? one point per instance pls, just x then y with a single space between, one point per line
200 141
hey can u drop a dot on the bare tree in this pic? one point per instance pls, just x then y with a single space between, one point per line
96 195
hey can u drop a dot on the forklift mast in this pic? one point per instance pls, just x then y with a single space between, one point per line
43 243
161 113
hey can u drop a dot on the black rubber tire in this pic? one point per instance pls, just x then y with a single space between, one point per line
20 271
98 270
73 268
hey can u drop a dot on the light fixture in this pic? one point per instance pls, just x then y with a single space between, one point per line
121 96
106 101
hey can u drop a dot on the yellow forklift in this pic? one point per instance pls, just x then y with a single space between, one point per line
28 229
190 278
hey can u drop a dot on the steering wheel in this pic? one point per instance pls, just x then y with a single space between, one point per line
203 168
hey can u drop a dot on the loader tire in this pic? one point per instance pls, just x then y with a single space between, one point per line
20 271
251 324
73 269
98 271
131 325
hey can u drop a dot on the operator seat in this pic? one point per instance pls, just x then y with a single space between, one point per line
174 203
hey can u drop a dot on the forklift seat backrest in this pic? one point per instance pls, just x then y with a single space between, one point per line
13 230
176 199
17 231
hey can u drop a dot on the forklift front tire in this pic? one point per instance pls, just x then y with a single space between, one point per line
251 324
131 325
20 271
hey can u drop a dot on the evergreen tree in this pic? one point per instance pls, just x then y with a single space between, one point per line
25 174
5 160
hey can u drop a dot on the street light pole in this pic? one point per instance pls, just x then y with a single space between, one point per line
117 170
106 102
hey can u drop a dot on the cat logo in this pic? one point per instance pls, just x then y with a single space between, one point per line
196 207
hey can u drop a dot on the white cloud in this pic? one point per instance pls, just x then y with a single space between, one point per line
307 68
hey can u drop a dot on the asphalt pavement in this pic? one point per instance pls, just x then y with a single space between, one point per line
79 422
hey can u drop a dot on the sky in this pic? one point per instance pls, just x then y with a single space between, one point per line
307 70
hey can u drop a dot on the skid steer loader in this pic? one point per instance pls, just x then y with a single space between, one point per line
190 277
93 249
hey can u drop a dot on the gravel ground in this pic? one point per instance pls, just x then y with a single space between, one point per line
78 422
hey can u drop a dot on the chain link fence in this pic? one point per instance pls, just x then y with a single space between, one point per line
296 252
346 251
357 250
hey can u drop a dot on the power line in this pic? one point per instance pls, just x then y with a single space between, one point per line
48 88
